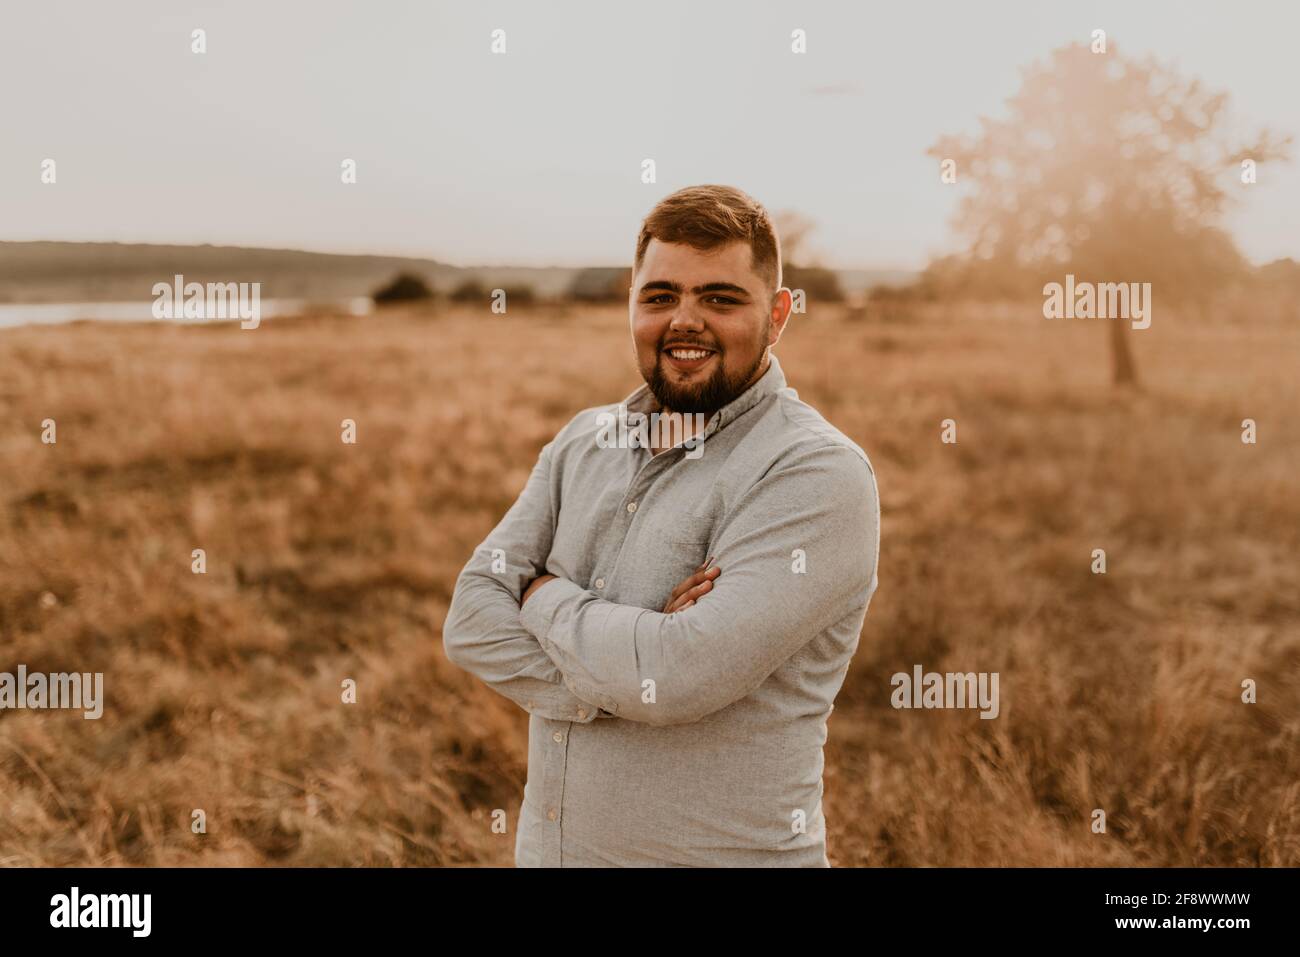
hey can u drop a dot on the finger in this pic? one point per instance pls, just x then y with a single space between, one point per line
699 590
675 604
689 597
702 566
676 593
693 581
687 583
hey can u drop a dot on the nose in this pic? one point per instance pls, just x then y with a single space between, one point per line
686 319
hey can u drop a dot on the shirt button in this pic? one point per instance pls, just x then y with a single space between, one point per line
557 737
582 712
631 506
600 583
550 815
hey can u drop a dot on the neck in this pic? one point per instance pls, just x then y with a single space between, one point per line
685 423
675 430
762 368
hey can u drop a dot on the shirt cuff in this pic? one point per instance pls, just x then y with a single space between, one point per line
538 613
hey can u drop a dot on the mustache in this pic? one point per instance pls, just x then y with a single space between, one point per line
688 344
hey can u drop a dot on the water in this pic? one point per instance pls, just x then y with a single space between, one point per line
52 313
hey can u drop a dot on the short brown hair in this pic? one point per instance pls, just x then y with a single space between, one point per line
710 216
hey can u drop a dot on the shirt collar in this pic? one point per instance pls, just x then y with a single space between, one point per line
643 400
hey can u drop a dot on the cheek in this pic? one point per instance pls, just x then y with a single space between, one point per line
741 343
647 332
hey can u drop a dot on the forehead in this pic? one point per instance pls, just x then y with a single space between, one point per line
681 262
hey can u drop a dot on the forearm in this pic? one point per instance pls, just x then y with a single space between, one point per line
596 650
662 669
482 634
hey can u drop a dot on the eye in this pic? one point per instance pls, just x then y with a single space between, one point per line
727 300
653 300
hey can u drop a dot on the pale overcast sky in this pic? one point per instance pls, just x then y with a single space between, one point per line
533 158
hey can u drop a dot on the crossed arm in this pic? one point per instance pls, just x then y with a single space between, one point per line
798 553
799 549
482 632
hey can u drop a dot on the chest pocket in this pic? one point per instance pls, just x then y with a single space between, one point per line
685 541
674 555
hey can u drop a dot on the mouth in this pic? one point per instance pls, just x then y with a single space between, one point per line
688 358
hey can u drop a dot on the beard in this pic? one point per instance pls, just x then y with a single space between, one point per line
713 393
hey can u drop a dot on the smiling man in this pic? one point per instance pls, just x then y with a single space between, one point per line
678 625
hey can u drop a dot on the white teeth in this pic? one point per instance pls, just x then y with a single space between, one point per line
687 353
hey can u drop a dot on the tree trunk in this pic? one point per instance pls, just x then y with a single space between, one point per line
1121 357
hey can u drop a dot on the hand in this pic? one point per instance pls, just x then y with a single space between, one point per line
533 585
693 587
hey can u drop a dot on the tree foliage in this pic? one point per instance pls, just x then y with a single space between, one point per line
1113 169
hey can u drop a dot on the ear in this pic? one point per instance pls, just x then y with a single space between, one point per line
782 303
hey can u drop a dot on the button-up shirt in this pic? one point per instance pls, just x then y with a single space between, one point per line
692 738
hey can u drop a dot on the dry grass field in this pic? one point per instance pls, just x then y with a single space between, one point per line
328 561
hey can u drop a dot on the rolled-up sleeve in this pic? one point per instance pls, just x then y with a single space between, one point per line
482 632
798 553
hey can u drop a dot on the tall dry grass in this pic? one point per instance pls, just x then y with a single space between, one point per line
328 561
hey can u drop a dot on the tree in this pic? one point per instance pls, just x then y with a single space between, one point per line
799 264
1109 168
792 228
404 287
469 290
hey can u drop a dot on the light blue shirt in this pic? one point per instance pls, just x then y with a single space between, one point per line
693 738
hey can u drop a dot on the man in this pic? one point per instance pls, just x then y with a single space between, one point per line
679 704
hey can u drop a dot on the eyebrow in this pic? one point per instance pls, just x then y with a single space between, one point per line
678 288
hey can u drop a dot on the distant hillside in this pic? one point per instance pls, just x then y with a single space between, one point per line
52 272
113 272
